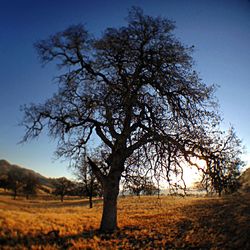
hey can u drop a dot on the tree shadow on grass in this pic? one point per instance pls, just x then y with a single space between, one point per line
219 223
125 238
53 238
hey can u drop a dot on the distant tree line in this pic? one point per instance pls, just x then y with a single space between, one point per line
22 183
87 185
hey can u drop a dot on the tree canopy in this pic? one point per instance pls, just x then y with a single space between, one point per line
131 92
63 186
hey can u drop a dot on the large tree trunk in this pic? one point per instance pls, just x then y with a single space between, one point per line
110 184
111 191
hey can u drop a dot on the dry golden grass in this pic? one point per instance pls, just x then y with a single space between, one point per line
145 223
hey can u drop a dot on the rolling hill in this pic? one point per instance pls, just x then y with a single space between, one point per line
5 167
245 180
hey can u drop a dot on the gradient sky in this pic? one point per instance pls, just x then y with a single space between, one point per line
219 30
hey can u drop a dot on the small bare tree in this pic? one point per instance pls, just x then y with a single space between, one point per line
223 164
4 181
15 181
30 185
89 184
63 186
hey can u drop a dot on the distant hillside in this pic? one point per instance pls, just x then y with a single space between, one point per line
5 167
245 180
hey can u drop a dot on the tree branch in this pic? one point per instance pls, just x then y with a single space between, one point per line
99 175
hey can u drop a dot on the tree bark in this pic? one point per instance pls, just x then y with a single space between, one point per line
90 202
109 215
110 184
91 192
15 194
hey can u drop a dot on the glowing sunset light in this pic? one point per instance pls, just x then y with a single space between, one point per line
191 174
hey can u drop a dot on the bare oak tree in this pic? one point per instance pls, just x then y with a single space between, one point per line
131 91
30 185
87 181
63 186
15 181
223 164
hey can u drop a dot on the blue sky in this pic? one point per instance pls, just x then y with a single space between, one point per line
219 30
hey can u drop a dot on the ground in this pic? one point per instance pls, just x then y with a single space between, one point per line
144 223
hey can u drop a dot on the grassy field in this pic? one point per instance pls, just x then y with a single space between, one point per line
145 223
